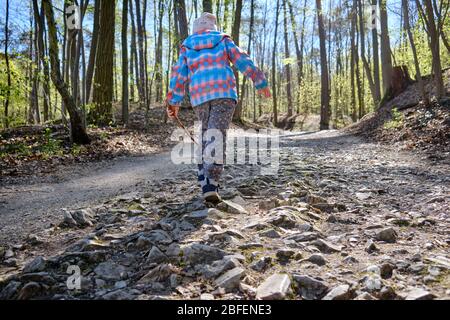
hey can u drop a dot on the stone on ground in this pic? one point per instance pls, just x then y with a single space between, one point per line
274 288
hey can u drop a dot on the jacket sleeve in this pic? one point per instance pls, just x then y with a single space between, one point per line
178 79
244 64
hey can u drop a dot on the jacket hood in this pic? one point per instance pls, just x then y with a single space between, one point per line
204 40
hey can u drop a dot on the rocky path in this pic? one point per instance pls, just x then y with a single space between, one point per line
343 219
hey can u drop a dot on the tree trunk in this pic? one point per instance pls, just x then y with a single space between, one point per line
363 54
8 68
125 93
359 85
432 30
235 35
83 76
140 38
263 49
104 68
131 64
93 51
274 66
400 81
325 89
134 61
159 54
78 131
287 67
238 112
183 27
298 48
38 16
36 112
144 29
30 68
170 51
419 79
353 53
386 60
376 60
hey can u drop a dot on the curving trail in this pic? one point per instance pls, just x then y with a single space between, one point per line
27 208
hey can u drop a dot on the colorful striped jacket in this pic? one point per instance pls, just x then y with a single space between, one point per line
204 63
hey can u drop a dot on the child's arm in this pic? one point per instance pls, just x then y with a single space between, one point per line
244 64
178 79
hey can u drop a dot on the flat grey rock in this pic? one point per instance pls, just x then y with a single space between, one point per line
274 288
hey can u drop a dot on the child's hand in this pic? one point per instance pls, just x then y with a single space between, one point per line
265 92
172 111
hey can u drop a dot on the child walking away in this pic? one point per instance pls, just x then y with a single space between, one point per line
204 64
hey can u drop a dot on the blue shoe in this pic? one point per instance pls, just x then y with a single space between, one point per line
211 191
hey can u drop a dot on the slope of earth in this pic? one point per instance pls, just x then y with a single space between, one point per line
411 126
342 219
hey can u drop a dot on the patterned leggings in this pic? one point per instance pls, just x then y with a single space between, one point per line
216 114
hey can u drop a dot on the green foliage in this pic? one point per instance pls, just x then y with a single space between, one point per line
18 92
50 146
77 149
19 148
397 120
404 56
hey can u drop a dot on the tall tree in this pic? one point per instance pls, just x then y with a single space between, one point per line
28 113
39 17
134 61
353 60
238 112
33 100
274 66
140 38
8 68
299 48
35 115
376 57
181 21
431 27
362 41
93 51
262 48
104 67
77 128
125 93
386 60
419 79
144 29
235 33
325 88
159 54
287 65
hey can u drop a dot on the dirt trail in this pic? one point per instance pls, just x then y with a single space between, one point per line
26 208
343 219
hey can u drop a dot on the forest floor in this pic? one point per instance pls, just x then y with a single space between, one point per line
344 218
